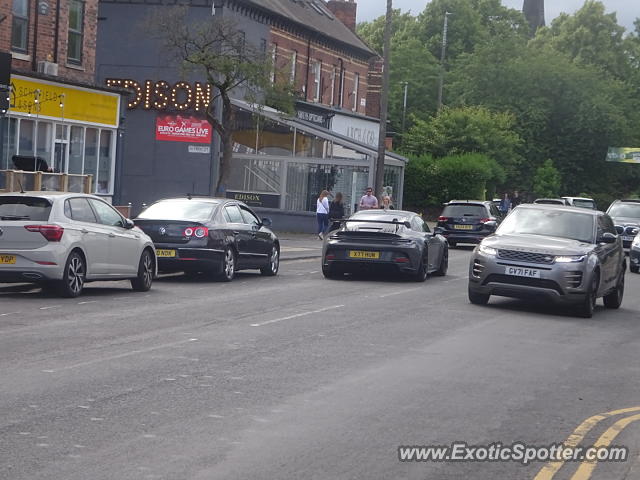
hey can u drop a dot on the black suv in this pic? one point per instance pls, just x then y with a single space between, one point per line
468 221
626 218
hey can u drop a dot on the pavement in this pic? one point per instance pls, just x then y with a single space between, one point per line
297 246
299 377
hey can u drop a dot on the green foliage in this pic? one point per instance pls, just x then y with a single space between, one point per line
433 181
456 131
547 180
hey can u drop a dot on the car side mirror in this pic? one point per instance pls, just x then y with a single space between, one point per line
267 222
128 224
608 238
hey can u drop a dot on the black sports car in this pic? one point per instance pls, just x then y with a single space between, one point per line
211 235
385 239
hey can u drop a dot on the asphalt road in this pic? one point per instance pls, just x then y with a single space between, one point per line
298 377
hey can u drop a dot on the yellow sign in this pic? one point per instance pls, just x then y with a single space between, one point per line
78 104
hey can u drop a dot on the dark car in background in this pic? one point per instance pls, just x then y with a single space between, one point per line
634 255
626 217
391 240
581 202
564 255
468 221
217 236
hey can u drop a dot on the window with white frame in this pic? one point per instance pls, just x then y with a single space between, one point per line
274 60
76 32
316 70
20 26
294 65
356 87
334 76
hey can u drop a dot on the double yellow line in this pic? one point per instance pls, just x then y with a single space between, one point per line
585 470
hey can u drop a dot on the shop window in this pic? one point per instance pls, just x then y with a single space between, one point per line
340 151
91 153
20 26
245 134
27 135
76 32
43 148
311 146
275 138
392 179
75 150
103 184
255 175
9 143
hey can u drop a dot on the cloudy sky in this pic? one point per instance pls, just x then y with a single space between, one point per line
627 10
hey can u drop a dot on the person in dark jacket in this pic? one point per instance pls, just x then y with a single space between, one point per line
336 211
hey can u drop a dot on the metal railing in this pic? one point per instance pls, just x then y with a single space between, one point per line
17 180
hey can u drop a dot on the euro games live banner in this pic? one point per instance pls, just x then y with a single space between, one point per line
624 155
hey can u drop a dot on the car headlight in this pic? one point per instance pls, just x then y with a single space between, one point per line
636 242
570 258
487 250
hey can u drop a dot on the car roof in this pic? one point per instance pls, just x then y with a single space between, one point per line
200 199
48 195
381 211
579 198
627 200
468 202
555 208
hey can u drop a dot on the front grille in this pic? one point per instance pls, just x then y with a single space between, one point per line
529 282
574 279
527 257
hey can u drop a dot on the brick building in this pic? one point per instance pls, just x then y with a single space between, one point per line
55 110
280 161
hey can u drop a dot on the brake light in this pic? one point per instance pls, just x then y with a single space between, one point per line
53 233
198 232
485 220
443 219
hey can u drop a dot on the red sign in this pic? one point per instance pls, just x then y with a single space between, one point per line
178 128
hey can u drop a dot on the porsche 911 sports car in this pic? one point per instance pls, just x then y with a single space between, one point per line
392 240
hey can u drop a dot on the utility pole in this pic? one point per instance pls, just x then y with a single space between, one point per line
404 105
384 103
442 57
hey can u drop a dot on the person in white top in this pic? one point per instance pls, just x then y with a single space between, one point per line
322 213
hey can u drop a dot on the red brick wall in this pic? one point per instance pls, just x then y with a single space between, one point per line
46 34
287 43
345 11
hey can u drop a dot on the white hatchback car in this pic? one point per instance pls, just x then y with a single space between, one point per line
63 240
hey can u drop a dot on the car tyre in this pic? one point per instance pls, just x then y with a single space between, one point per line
589 303
614 299
274 263
478 298
73 276
453 244
422 273
634 268
444 264
146 272
228 265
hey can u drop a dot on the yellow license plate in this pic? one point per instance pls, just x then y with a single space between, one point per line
361 254
463 227
7 259
166 253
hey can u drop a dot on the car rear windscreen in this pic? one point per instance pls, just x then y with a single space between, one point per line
462 210
631 210
550 222
188 210
25 208
584 204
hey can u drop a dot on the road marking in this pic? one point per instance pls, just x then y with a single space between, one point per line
586 468
89 301
297 315
123 355
400 292
50 307
550 469
10 313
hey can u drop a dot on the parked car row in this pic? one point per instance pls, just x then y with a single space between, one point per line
64 240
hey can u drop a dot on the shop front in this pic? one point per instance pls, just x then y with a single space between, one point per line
72 128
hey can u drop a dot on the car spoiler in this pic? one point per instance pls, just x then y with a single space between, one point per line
388 222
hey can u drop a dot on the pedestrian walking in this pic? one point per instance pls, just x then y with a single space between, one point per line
322 213
516 200
505 204
336 211
386 203
368 200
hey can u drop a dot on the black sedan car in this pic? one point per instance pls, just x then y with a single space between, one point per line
210 235
385 240
468 221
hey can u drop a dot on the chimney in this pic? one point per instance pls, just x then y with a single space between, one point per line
374 90
345 11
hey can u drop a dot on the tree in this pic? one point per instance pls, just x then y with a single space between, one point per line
456 131
547 180
215 48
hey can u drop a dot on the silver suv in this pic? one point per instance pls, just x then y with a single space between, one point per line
561 254
63 240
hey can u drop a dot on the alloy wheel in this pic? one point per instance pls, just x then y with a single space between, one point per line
75 275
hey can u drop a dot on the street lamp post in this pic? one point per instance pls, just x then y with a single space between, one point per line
442 56
404 105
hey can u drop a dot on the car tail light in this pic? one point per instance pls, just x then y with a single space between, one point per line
53 233
201 232
443 219
485 220
401 260
330 256
188 232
